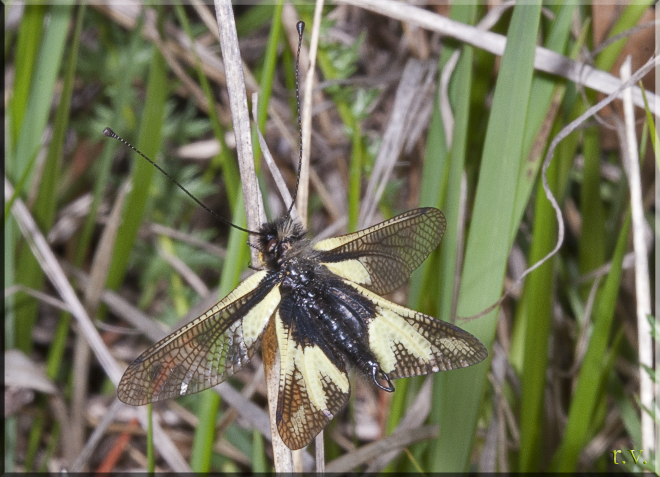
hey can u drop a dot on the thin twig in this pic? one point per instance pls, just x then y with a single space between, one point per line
272 167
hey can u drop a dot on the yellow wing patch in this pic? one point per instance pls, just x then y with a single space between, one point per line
207 350
352 270
381 258
312 388
388 331
312 364
257 318
408 343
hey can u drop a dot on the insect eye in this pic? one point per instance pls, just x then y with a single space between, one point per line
272 244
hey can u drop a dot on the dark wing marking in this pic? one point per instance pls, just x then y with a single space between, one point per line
313 387
207 350
381 258
408 343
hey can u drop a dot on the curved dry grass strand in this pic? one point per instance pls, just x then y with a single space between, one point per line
568 129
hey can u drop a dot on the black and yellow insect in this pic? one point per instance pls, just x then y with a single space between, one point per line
324 298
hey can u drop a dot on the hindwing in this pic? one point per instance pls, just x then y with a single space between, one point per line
381 258
408 343
313 386
207 350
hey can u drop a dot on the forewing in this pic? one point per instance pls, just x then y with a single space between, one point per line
313 386
381 258
408 343
207 350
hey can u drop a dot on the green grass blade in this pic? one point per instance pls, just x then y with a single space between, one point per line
266 81
45 204
202 450
27 49
543 89
29 142
42 86
592 238
534 313
651 125
151 457
590 378
489 238
537 300
449 165
259 463
149 142
355 178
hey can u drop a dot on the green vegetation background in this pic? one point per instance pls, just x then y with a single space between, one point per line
76 71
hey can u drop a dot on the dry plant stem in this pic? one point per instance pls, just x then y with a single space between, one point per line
185 271
402 114
642 283
571 127
272 167
93 440
545 60
289 22
155 330
414 418
398 440
320 453
53 271
93 289
303 190
254 210
38 295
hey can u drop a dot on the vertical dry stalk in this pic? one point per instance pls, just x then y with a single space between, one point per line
303 190
254 210
642 284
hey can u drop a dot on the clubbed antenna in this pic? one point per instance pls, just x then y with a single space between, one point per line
110 133
301 28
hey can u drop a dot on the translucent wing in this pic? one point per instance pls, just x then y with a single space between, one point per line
314 385
207 350
408 343
381 258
